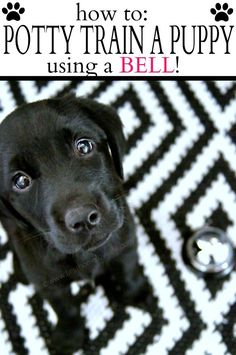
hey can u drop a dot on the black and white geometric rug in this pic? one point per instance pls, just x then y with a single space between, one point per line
180 170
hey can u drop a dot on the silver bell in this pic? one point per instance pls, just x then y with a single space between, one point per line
210 251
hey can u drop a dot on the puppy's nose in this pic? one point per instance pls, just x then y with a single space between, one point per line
81 217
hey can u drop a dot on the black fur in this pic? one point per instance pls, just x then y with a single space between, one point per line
47 223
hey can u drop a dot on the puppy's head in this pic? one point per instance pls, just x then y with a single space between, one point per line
61 171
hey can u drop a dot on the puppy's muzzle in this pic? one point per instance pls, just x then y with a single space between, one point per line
81 218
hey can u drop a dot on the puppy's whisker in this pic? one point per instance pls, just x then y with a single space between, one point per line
118 197
35 236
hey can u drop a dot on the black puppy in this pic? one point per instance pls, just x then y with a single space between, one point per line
62 204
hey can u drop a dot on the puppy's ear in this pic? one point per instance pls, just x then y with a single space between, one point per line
107 118
7 211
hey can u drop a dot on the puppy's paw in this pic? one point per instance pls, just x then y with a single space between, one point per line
66 339
137 292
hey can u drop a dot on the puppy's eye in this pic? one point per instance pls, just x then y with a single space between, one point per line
21 181
84 146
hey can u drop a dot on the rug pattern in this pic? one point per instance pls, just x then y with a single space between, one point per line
180 170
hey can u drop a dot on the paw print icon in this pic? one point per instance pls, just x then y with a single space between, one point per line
13 12
222 12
